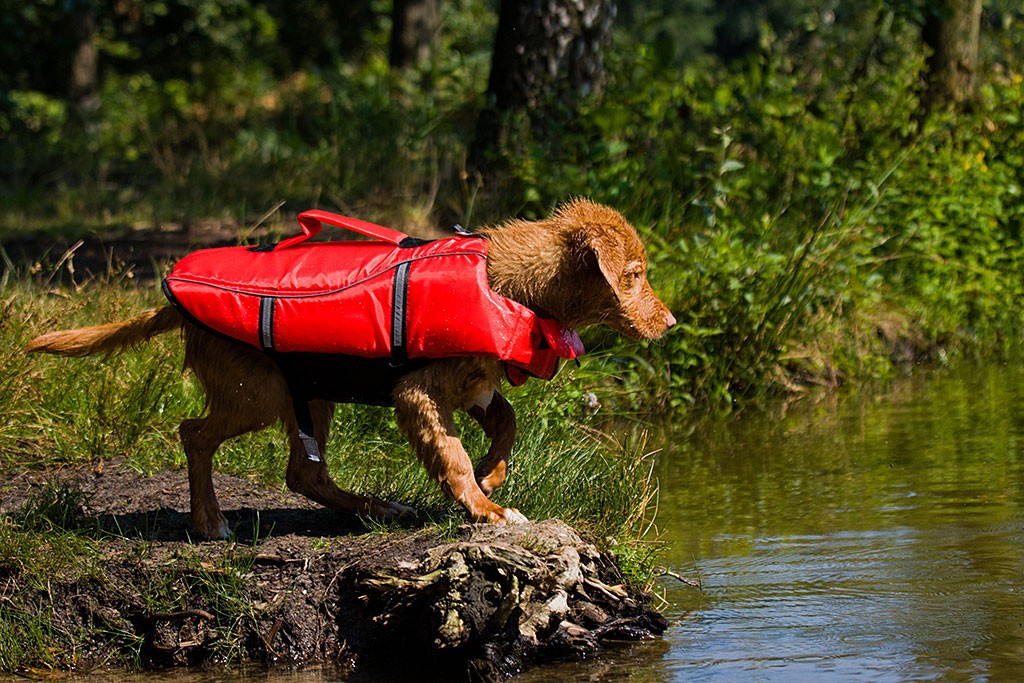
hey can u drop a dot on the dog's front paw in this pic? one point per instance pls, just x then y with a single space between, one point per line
490 480
513 516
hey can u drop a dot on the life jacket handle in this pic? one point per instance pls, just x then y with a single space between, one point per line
310 222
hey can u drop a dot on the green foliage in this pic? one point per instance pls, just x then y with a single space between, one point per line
955 211
804 223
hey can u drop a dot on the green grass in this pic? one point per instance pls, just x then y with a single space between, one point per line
27 641
43 541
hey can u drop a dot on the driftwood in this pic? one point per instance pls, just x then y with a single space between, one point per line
502 599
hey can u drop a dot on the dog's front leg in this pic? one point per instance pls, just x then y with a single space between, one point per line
429 424
498 421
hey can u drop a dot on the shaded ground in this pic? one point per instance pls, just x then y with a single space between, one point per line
139 250
303 584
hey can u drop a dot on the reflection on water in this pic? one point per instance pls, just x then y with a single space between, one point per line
872 538
877 539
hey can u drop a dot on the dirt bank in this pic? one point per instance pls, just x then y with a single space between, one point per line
303 584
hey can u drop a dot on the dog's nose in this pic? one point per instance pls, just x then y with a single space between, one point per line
670 320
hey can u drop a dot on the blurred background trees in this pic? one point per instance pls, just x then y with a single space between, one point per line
951 33
547 57
415 25
161 90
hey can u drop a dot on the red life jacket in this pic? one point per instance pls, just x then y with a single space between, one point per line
391 297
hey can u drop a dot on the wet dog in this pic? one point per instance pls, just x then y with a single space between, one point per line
583 265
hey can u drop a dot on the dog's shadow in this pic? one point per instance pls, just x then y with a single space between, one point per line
248 525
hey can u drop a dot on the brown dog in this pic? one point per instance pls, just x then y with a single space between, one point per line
584 265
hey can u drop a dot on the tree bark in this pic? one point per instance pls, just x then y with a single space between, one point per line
951 30
548 55
414 30
84 78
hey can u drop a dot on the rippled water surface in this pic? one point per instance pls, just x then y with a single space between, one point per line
875 539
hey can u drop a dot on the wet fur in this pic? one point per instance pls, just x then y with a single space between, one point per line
584 265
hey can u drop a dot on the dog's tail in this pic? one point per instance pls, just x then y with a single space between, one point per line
108 338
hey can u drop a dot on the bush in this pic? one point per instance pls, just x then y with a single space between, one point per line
803 232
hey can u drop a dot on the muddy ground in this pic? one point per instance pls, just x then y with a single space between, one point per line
302 584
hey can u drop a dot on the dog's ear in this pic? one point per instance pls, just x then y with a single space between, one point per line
607 244
602 252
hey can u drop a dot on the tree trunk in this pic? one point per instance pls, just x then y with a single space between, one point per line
548 54
83 84
951 31
414 29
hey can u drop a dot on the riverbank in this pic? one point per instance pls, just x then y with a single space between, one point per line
298 585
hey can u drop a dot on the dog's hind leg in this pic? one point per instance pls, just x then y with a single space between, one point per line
498 421
311 478
201 438
245 392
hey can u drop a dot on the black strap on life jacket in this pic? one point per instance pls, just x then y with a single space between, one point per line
340 379
304 422
265 333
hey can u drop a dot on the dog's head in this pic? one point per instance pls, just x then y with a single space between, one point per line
583 265
611 266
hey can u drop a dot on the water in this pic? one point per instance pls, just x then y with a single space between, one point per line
877 539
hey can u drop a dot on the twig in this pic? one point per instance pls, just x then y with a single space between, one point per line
277 560
682 579
271 634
